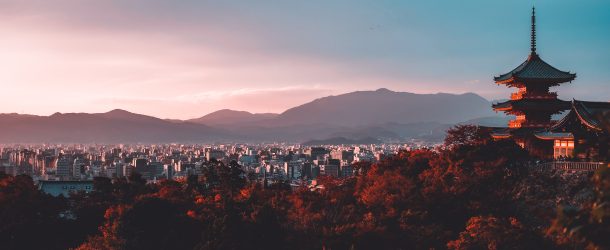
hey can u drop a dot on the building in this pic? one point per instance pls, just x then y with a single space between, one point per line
78 169
345 157
214 154
56 188
533 104
330 170
316 152
579 134
293 169
64 168
583 133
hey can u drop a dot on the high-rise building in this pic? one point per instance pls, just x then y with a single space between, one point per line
64 168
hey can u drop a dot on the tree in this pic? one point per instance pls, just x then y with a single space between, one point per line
25 211
470 135
590 224
150 223
489 232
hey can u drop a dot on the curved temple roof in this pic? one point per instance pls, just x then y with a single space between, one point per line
542 104
555 136
535 68
590 114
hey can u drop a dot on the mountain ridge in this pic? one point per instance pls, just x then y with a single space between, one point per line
381 114
226 116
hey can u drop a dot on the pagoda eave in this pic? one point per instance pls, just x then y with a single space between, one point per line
520 82
504 109
554 105
500 136
554 136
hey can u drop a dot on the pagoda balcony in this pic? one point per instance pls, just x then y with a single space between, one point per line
522 95
515 123
528 124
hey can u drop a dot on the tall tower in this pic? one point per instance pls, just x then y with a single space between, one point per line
532 104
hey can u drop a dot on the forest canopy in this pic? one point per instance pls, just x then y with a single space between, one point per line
474 193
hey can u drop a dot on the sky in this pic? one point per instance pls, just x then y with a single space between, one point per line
184 59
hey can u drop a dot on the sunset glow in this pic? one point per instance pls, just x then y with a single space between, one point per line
186 60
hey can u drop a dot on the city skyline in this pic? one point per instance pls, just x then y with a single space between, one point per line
186 60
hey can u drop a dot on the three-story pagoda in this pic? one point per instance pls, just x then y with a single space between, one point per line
532 104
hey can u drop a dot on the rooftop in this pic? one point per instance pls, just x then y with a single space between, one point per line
594 115
532 104
534 69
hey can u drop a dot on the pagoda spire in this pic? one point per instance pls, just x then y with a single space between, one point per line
533 48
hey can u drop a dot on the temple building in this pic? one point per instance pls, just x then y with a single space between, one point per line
533 105
584 133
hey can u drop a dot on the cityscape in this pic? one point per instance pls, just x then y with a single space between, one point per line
326 125
62 169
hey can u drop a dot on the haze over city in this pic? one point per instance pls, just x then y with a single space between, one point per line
183 60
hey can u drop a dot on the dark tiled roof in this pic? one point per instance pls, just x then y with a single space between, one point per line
554 135
591 114
500 133
540 104
535 68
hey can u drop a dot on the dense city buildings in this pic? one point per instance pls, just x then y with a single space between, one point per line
65 168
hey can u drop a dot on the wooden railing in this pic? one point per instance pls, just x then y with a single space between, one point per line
570 166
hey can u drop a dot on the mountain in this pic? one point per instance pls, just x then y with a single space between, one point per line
382 106
116 126
227 116
382 114
364 108
490 121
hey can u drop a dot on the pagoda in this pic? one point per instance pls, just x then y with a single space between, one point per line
532 104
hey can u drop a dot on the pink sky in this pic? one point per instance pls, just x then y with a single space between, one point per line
180 61
51 63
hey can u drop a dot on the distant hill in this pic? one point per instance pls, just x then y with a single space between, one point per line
116 126
490 121
227 116
383 106
382 115
364 108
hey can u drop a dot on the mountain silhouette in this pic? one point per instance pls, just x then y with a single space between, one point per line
228 116
117 126
380 114
383 106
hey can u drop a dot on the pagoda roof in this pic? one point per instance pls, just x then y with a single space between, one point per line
533 104
595 115
554 135
535 69
502 133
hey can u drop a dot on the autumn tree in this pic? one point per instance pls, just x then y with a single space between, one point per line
25 211
489 232
467 135
590 224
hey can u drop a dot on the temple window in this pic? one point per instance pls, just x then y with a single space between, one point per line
563 148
